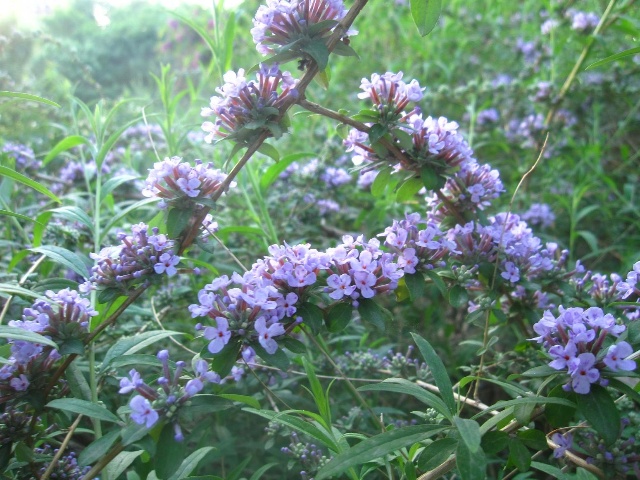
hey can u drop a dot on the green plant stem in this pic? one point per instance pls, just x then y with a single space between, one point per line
578 65
353 389
104 461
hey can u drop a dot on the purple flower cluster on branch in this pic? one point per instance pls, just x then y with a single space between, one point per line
138 259
178 184
575 341
293 24
153 404
64 318
245 109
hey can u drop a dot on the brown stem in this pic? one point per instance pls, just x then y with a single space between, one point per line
104 461
61 449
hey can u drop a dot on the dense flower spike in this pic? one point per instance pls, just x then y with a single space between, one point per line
177 183
137 259
23 155
245 109
574 340
292 23
390 95
64 319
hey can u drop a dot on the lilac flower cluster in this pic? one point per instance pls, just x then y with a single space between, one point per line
178 183
137 259
262 304
288 23
630 285
522 253
152 404
66 467
23 155
583 22
539 214
390 95
574 340
245 109
309 455
64 317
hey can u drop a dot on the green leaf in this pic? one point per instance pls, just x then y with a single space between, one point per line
252 402
430 179
458 296
405 387
74 214
224 360
323 78
373 313
555 472
612 58
469 431
297 424
277 359
258 473
532 438
170 453
83 407
73 261
425 14
113 183
338 317
70 346
98 448
408 189
471 465
311 315
274 171
377 447
16 333
115 219
437 281
177 221
318 51
438 370
28 96
122 461
293 345
599 409
321 400
18 177
8 213
130 345
269 151
495 441
345 50
376 132
63 145
415 284
436 453
519 455
380 183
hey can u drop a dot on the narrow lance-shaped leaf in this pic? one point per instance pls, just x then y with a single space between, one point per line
425 14
18 177
438 371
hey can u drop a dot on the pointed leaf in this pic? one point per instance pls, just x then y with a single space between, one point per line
171 453
425 14
18 177
438 371
318 51
373 313
274 171
269 151
338 317
613 58
28 96
63 145
15 333
415 284
83 407
409 189
123 460
98 448
311 315
471 465
519 455
601 412
436 453
469 431
74 261
377 447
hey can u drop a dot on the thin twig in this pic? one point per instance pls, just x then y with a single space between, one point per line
61 449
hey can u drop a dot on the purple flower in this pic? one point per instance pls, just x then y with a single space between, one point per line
341 286
266 334
615 358
364 281
193 387
511 273
564 443
562 355
127 386
583 373
142 412
219 335
20 384
167 264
